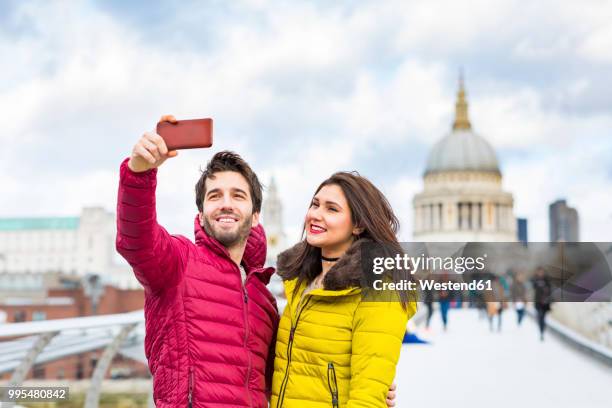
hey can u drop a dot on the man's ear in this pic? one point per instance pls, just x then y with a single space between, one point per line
201 218
255 221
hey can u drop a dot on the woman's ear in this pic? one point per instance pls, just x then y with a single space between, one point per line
357 231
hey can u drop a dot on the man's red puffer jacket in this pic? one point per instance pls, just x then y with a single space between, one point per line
208 336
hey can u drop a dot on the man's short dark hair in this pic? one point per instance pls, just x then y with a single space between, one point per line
229 161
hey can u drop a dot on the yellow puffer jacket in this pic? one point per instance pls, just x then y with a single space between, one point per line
333 349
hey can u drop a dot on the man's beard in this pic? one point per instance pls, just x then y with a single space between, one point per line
228 238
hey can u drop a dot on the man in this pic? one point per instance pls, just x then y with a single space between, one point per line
542 287
210 321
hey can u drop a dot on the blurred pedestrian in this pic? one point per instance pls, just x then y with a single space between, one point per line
519 296
428 299
542 297
495 302
444 298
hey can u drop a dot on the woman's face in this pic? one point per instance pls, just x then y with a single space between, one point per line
328 222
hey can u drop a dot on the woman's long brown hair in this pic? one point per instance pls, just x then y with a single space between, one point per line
370 211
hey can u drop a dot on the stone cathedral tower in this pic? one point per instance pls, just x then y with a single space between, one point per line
272 213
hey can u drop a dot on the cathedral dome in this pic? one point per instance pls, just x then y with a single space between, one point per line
462 149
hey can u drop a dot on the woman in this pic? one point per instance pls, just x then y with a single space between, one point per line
333 349
519 296
495 304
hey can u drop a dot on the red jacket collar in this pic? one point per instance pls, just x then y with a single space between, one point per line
254 254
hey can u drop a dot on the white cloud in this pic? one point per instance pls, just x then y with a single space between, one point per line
597 46
46 195
300 90
520 118
403 107
526 49
448 26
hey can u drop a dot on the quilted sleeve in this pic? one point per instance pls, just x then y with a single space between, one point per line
270 363
158 258
378 330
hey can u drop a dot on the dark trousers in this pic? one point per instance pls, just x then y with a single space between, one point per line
520 313
429 313
499 319
444 305
542 320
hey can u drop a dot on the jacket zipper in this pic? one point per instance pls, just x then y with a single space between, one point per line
333 384
246 337
281 394
190 396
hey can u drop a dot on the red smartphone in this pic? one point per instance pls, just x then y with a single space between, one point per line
186 134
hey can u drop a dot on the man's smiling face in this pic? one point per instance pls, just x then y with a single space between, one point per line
228 208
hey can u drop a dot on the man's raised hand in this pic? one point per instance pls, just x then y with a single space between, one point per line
151 151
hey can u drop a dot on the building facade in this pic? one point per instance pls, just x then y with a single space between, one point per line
79 246
521 225
462 199
563 222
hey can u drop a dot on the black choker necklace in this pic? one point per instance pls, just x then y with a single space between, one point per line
329 259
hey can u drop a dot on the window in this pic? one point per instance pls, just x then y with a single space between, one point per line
469 216
79 371
497 216
38 372
94 362
459 215
38 315
19 316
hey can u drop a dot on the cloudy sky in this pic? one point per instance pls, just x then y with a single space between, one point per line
302 90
